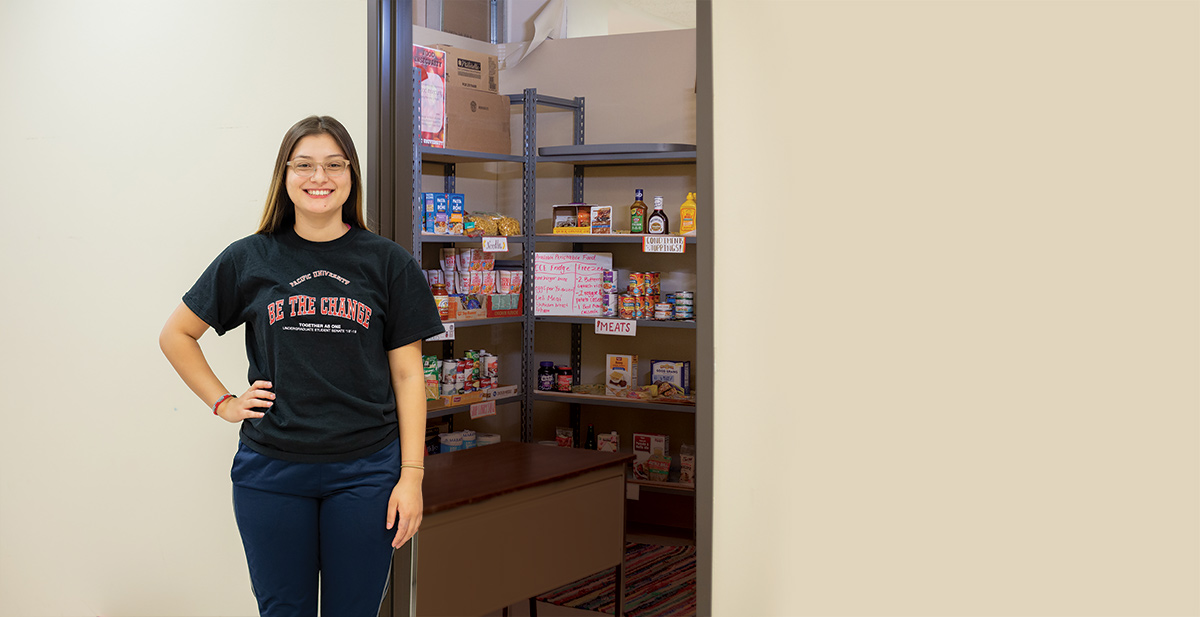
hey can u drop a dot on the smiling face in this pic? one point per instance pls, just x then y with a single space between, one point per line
318 196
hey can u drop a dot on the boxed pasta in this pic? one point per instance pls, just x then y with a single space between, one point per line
457 205
620 375
646 445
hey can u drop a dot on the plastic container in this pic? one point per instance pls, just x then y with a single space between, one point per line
547 377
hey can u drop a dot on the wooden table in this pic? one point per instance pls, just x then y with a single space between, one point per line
506 522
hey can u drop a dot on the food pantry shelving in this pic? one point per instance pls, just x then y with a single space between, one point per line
580 158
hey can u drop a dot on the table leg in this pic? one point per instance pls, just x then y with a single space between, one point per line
404 579
620 604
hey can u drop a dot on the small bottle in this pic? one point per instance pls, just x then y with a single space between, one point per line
564 379
590 442
637 214
442 300
657 222
687 214
546 377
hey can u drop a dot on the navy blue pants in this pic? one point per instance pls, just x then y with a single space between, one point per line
310 525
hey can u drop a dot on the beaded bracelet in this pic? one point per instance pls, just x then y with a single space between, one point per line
221 400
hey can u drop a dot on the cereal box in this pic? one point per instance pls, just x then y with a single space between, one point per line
644 446
620 375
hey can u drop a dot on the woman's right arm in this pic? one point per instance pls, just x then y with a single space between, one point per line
180 343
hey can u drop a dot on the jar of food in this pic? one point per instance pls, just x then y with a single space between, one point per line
564 379
547 377
442 300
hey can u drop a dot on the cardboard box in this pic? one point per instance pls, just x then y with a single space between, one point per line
441 209
644 446
601 219
620 375
472 70
428 201
678 374
432 63
467 307
457 212
477 121
504 305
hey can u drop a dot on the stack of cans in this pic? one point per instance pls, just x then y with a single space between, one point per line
638 301
684 305
478 370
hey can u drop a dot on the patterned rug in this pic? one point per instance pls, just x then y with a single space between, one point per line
659 581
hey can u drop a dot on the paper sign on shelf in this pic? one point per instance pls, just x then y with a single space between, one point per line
619 327
663 244
448 335
569 283
495 244
480 410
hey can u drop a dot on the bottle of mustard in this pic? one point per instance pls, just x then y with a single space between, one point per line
687 214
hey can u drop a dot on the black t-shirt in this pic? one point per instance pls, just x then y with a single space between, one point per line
320 318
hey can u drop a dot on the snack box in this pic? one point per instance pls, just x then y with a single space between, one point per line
676 373
457 213
644 446
608 442
620 375
601 219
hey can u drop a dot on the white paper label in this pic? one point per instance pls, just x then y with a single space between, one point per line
495 244
448 335
618 327
632 491
480 410
663 244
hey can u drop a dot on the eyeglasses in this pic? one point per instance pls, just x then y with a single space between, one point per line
307 167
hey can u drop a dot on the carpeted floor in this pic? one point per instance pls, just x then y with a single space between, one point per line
659 581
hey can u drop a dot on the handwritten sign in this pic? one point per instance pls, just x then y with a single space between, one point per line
495 244
663 244
619 327
480 410
448 335
569 283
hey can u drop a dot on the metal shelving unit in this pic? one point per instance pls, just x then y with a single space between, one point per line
601 238
641 323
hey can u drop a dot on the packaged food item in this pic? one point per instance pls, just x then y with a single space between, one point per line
612 304
491 366
468 439
563 379
441 298
487 261
584 217
476 282
687 464
428 201
621 374
432 63
608 281
489 281
644 445
564 437
462 281
687 214
600 219
441 209
547 377
637 283
449 259
504 281
457 210
608 442
637 214
658 466
449 377
516 276
675 372
447 279
451 442
430 366
626 308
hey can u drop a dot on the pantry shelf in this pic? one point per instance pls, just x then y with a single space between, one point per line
612 401
641 323
437 412
447 155
603 238
444 239
677 488
490 321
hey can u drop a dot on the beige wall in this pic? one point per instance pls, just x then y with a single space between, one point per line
139 143
985 225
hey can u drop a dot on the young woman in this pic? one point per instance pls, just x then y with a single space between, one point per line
327 476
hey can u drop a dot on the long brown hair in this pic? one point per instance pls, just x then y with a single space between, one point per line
279 211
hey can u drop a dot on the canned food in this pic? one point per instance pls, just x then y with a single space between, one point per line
472 357
652 287
608 281
627 306
491 366
612 304
466 368
448 389
449 368
687 295
637 283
